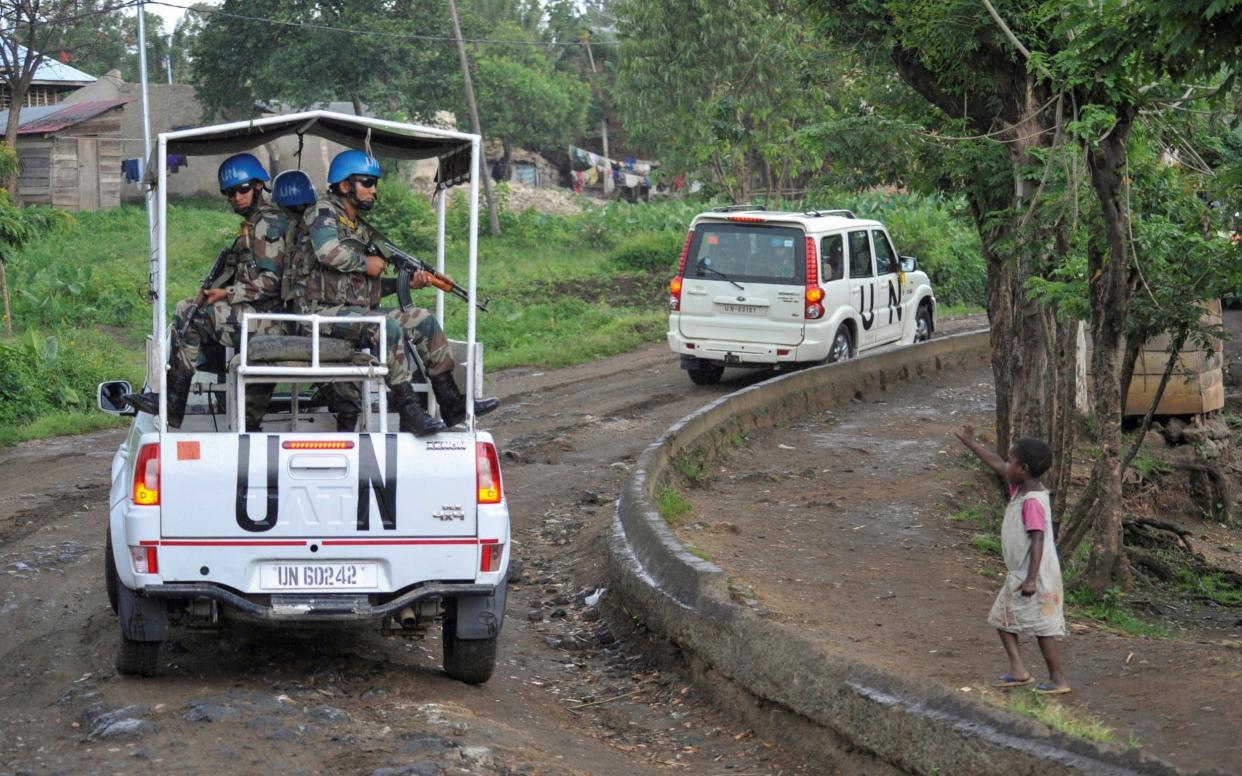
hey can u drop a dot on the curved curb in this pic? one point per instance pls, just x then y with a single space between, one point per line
916 725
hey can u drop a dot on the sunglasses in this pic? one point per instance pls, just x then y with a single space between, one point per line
243 188
365 181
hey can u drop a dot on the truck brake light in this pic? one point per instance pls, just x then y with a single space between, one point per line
489 560
147 476
487 469
146 560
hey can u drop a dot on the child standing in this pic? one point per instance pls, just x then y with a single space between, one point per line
1031 600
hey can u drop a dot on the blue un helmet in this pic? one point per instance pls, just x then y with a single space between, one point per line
239 169
352 162
293 188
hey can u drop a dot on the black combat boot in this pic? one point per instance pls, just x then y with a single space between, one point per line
453 403
178 391
414 418
347 421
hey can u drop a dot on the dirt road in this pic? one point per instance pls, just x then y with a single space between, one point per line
567 697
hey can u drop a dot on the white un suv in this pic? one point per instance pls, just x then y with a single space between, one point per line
759 288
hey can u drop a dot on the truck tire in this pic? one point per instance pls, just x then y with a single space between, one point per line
705 373
467 660
110 580
923 324
138 658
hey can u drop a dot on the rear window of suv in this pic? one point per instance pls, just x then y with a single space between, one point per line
755 253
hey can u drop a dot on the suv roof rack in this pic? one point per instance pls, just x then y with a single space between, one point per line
735 208
819 213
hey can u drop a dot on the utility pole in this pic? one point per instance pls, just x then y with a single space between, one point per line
486 174
603 121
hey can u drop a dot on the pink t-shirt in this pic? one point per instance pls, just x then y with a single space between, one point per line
1033 517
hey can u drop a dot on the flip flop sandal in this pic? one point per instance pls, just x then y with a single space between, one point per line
1043 688
1009 681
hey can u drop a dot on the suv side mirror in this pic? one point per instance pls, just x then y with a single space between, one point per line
110 397
909 264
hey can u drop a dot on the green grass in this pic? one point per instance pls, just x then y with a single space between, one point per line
673 506
986 543
958 309
1211 586
1063 718
692 466
1111 611
60 423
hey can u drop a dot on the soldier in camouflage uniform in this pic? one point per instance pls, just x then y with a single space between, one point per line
250 282
333 274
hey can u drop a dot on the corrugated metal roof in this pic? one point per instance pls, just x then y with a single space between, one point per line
53 118
52 70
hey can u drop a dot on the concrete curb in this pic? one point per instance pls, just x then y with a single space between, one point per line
916 725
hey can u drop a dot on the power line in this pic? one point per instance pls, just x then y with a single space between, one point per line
8 31
374 33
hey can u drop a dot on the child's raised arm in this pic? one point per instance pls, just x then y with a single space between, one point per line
989 457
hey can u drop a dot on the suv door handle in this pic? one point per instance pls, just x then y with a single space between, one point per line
696 292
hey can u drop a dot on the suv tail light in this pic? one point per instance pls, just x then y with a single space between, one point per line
674 286
487 470
814 294
147 476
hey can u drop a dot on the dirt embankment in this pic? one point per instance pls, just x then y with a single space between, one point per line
867 526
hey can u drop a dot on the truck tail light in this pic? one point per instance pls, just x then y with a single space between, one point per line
147 475
814 294
489 560
487 469
146 560
674 286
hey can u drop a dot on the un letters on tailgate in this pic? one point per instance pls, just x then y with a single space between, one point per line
262 486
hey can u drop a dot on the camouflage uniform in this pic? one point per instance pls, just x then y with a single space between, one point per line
256 265
329 278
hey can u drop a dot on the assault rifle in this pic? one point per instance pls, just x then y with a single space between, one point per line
217 269
407 265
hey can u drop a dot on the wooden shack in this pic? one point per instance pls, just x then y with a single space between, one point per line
69 155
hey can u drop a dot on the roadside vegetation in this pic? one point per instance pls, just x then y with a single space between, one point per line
563 289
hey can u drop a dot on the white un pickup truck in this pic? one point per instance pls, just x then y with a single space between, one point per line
300 524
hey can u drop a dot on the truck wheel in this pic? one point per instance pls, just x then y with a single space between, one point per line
470 661
705 373
923 324
110 580
138 658
842 346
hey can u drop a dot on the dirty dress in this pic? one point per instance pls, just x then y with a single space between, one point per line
1043 613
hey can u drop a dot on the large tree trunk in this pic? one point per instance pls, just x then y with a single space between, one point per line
1108 271
17 92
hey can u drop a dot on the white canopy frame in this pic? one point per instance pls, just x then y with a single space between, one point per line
390 138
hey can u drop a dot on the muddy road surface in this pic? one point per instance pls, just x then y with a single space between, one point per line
568 696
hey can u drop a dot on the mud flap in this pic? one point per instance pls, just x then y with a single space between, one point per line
481 617
142 618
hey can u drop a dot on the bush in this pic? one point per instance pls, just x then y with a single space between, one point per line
45 374
406 218
649 251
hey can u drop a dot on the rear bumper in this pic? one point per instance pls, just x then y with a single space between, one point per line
733 353
311 607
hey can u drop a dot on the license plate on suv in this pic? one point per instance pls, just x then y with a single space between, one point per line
328 575
741 309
